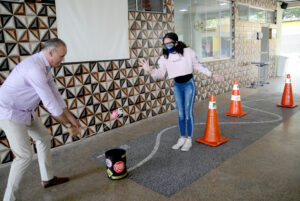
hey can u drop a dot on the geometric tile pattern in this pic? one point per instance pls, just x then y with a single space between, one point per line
23 28
92 90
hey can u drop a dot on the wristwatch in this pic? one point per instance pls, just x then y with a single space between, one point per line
68 125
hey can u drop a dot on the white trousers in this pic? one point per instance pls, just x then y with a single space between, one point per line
18 137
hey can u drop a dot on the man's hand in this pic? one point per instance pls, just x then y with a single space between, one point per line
74 131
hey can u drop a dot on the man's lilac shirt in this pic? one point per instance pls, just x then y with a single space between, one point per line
29 83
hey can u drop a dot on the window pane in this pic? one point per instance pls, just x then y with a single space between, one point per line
212 45
226 47
252 14
150 5
270 17
132 5
243 12
207 43
205 25
225 33
261 15
246 12
257 15
182 20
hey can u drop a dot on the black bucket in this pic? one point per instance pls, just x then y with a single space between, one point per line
115 160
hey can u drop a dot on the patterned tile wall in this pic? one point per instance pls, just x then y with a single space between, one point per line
93 90
23 28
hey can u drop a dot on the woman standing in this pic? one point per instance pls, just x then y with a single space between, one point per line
179 61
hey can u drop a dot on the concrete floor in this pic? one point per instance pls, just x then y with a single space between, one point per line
267 169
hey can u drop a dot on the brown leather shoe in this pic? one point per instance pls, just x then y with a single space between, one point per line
54 181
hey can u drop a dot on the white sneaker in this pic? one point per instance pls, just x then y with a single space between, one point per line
187 145
179 143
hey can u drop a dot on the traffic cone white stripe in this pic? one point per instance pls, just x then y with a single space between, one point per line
235 98
235 108
212 105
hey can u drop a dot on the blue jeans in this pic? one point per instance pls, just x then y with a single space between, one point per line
184 98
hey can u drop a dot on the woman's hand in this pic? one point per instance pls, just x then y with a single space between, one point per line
145 65
218 77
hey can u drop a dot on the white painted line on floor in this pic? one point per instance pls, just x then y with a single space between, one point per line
100 156
157 142
125 146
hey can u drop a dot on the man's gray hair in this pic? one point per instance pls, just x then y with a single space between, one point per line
54 42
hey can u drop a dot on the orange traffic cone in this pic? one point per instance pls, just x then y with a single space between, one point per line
287 96
235 104
212 135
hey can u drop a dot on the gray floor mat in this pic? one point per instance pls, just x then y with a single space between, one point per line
168 171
